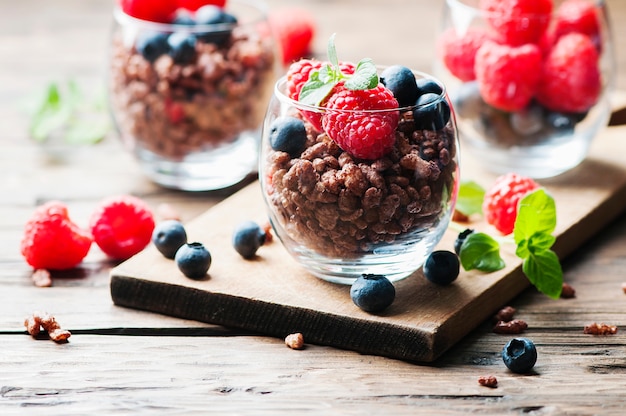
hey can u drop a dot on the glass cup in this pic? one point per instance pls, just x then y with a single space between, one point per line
188 99
530 91
341 216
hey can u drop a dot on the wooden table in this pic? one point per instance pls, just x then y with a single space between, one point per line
122 361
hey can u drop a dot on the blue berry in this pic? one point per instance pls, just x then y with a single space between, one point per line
247 238
151 45
519 355
183 17
431 112
372 292
182 47
427 85
460 239
214 15
562 123
168 236
442 267
193 260
288 134
400 80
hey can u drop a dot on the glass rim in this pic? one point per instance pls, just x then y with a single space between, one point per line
476 10
280 84
259 6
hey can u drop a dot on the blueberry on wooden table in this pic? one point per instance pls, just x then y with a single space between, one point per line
372 292
460 239
168 236
248 236
519 355
442 267
193 260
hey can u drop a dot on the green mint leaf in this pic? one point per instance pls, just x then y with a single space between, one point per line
543 270
481 252
537 242
332 51
51 114
536 214
365 76
316 89
470 198
88 130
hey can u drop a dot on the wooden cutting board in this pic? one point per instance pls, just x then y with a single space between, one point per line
273 295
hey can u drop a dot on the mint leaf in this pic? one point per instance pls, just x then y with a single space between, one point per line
543 270
365 76
481 252
317 88
332 51
470 198
51 114
536 214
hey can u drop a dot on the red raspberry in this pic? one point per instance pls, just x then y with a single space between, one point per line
579 16
508 75
193 5
52 241
501 201
122 226
294 28
517 22
458 51
174 110
298 74
363 134
160 11
570 77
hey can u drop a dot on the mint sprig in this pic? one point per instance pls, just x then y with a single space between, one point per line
321 82
470 198
532 235
65 110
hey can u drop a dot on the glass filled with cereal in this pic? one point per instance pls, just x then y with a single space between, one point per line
359 167
188 87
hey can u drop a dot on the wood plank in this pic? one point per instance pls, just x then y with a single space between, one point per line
275 296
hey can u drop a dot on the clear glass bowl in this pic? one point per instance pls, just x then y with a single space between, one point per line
188 100
535 126
340 216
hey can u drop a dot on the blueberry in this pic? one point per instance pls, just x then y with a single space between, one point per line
151 45
519 355
427 85
400 80
247 238
214 15
442 267
432 112
288 134
562 123
168 236
193 260
372 292
183 17
460 239
182 47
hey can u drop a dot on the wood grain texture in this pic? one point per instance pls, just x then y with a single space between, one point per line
275 296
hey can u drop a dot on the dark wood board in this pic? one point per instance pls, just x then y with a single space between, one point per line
273 295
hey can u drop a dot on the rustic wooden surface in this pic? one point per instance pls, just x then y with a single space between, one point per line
123 361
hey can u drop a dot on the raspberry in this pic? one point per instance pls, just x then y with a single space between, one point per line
122 226
570 77
298 74
294 28
153 11
52 241
500 202
517 22
579 16
458 51
193 5
508 75
363 134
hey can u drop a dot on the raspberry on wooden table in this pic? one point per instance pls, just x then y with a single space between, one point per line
52 241
122 226
500 204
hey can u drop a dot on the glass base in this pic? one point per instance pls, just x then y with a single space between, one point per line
204 171
395 261
550 157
